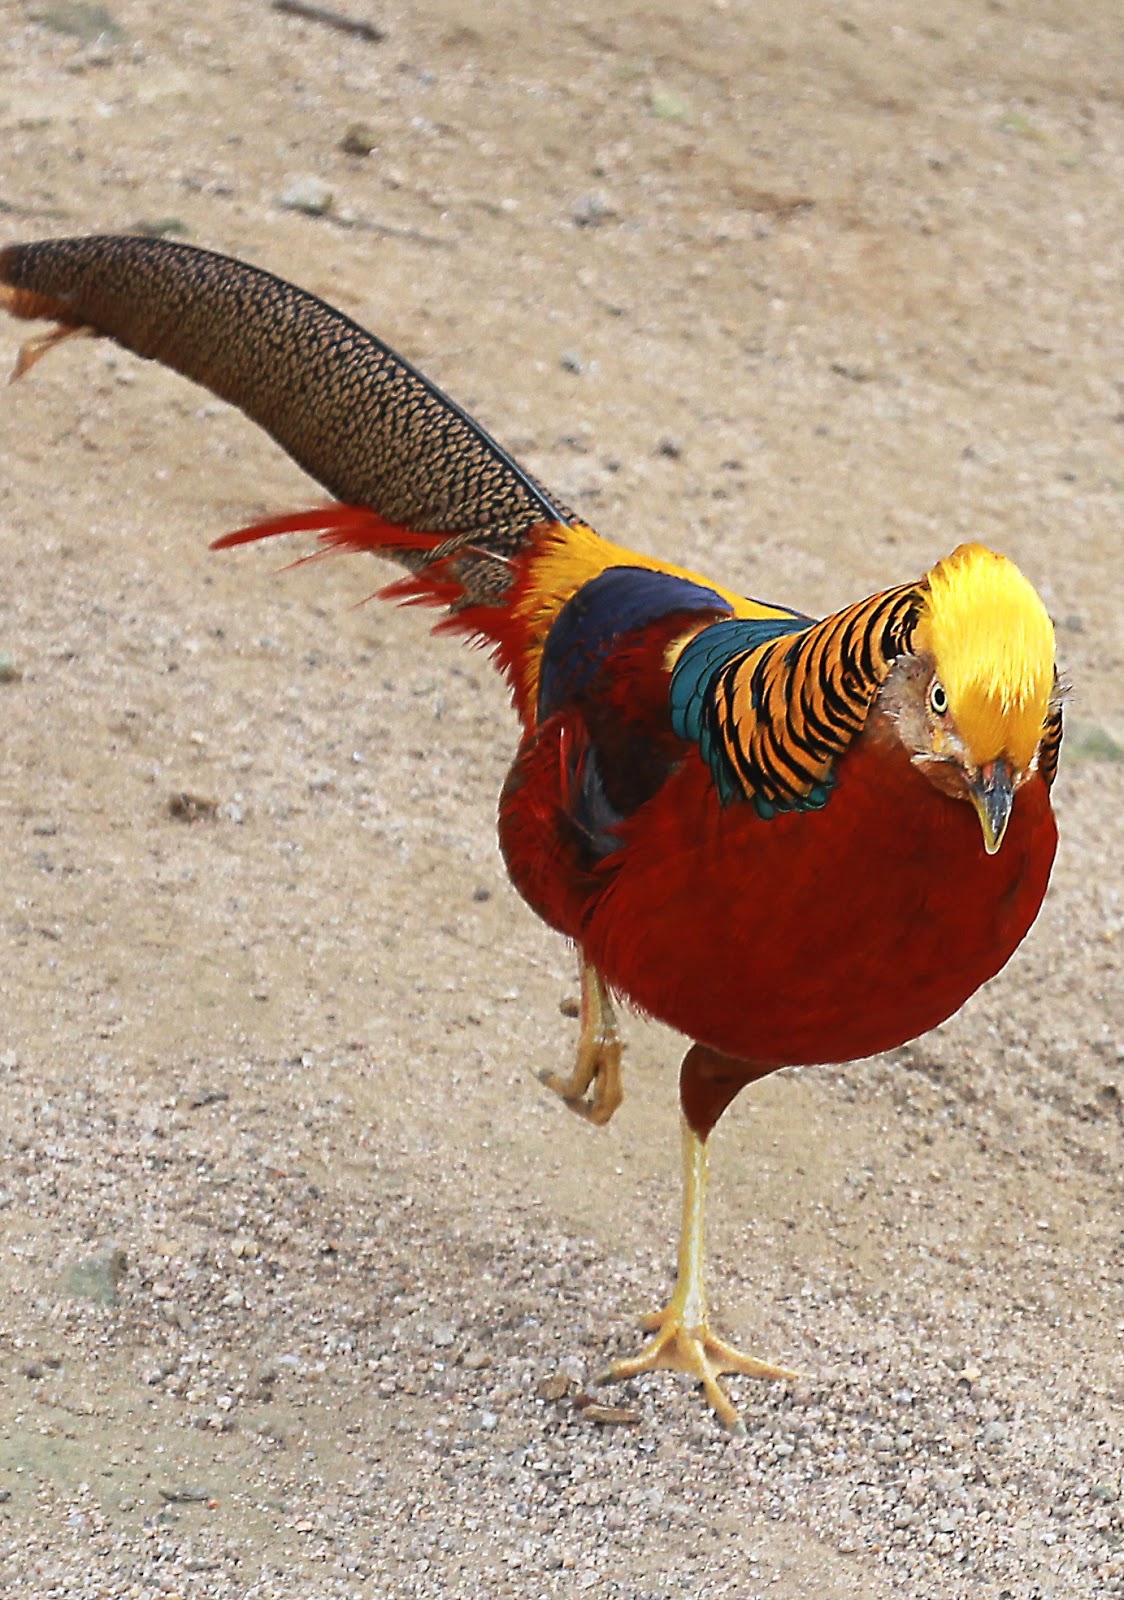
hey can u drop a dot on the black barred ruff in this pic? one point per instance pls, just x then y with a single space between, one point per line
781 714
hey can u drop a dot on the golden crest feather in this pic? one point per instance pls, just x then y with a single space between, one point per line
992 645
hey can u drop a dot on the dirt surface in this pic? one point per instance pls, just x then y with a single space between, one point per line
303 1268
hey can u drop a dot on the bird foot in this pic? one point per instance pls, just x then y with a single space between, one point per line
598 1065
701 1355
33 350
599 1056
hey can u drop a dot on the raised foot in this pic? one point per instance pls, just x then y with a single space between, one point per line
701 1355
599 1067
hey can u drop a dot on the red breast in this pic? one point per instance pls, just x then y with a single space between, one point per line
816 936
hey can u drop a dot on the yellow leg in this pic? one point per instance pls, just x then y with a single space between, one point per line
33 350
683 1341
599 1056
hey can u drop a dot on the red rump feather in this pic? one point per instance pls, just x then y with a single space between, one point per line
340 527
347 530
344 529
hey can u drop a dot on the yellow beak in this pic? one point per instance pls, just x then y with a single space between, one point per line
993 795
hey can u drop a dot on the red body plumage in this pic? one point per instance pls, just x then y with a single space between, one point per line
821 936
813 937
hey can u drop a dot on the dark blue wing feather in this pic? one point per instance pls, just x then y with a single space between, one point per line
619 601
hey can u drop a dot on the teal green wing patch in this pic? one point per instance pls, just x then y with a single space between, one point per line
692 684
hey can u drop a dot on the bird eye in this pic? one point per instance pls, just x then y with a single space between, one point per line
938 699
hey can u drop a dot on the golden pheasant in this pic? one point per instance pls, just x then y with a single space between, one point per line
793 840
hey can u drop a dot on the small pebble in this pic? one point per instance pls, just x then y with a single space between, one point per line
554 1388
359 139
666 103
311 195
592 211
96 1277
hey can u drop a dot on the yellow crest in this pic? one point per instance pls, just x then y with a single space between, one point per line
992 644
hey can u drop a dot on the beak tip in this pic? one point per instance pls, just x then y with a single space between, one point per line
993 795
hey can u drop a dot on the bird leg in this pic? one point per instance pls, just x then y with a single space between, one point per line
599 1056
683 1341
31 351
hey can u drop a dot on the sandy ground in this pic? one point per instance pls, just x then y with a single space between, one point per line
302 1267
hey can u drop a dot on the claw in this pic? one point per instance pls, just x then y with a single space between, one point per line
701 1355
599 1057
32 351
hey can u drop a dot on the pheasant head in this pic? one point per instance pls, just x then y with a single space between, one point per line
977 692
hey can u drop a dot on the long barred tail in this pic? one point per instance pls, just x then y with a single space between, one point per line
412 476
360 420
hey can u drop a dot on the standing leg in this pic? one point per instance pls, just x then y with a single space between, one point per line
683 1341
